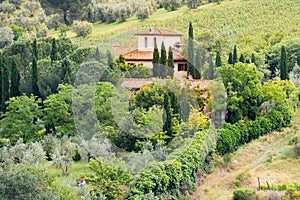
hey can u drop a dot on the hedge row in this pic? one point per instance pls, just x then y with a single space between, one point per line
234 135
179 170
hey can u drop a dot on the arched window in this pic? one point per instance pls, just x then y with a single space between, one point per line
146 42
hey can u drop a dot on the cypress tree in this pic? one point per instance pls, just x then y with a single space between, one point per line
283 65
14 80
167 116
176 111
97 55
199 60
155 61
218 59
211 68
230 59
234 56
163 61
1 68
34 79
190 68
242 59
253 60
110 59
170 63
34 49
53 55
5 85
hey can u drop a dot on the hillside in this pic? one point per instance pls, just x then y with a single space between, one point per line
271 158
253 24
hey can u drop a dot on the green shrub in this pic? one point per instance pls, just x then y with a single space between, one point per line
244 194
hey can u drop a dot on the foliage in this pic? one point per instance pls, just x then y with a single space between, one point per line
171 5
283 65
109 177
21 119
82 28
244 194
193 3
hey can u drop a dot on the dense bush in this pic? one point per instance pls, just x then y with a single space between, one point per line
82 28
244 194
165 178
234 135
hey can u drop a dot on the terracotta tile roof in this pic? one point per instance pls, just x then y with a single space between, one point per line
136 55
158 31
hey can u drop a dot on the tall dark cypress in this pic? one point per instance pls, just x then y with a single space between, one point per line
53 51
14 80
176 110
190 68
34 50
1 68
230 59
5 85
167 116
155 61
234 56
218 59
163 61
211 68
242 59
253 60
170 63
283 65
34 79
110 59
199 60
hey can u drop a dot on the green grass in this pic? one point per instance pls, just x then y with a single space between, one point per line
248 23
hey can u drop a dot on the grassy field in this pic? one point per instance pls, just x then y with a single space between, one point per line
252 24
271 158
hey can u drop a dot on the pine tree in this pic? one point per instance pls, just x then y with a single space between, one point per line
230 59
211 68
163 61
242 59
53 55
14 80
167 116
170 63
199 60
218 59
253 60
190 68
34 79
155 61
5 85
234 56
283 65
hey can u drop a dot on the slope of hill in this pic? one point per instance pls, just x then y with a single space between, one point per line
253 23
271 158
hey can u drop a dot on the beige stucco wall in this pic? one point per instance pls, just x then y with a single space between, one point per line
168 40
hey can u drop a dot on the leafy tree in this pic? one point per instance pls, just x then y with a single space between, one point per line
82 28
230 58
218 59
5 85
191 70
193 3
163 61
14 80
283 65
167 116
109 179
234 56
155 61
242 59
34 79
6 36
170 63
171 5
20 120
